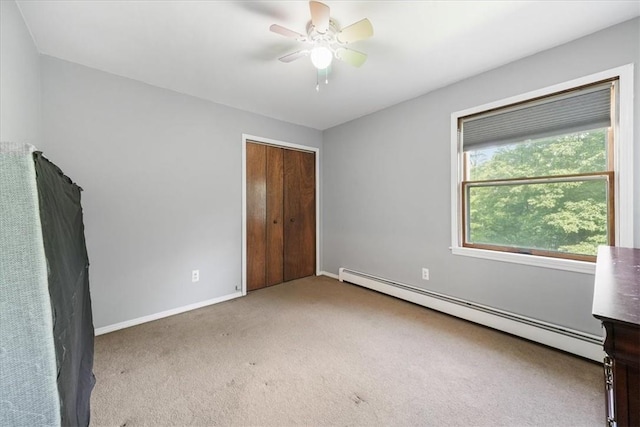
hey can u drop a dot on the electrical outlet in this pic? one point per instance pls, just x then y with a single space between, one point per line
425 274
195 276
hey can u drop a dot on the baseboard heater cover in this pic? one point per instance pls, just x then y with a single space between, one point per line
576 342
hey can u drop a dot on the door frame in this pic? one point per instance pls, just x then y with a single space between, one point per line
286 145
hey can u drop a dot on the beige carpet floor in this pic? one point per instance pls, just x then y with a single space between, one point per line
319 352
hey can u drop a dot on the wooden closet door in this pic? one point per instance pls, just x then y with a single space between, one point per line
299 214
275 223
256 215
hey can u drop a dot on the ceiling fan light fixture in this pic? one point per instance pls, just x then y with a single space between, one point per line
327 40
321 57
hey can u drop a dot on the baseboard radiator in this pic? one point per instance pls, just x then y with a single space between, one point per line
580 343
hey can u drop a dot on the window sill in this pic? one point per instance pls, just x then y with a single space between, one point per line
584 267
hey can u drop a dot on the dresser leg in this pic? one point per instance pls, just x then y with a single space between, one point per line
609 387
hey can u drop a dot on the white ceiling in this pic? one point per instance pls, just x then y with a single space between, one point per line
223 51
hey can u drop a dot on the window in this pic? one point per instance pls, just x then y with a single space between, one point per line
538 178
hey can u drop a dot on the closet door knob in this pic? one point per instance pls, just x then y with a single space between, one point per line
293 220
275 221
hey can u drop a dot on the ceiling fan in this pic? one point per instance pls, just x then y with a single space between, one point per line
326 39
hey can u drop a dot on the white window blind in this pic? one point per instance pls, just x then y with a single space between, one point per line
574 111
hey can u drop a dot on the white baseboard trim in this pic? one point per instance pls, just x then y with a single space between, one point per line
588 347
163 314
326 273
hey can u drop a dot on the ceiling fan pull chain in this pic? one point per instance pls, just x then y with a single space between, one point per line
317 80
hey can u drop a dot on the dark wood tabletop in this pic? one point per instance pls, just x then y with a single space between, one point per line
617 285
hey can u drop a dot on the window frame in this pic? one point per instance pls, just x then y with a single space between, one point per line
622 174
607 176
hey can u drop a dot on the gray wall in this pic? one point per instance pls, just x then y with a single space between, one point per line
20 118
162 178
386 206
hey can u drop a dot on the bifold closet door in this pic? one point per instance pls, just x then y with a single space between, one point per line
256 177
275 222
299 214
265 231
281 215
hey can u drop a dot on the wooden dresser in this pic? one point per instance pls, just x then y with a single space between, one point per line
616 302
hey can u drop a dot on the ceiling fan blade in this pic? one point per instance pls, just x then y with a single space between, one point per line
359 31
351 56
319 16
287 32
293 56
